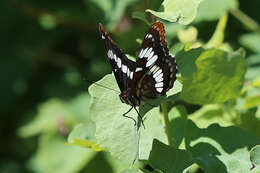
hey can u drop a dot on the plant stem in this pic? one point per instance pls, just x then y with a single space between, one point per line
166 122
250 23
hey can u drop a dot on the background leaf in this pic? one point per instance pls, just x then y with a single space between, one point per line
212 76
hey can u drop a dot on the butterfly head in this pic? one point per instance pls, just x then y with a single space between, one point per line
128 98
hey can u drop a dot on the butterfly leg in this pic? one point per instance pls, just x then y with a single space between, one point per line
129 116
140 117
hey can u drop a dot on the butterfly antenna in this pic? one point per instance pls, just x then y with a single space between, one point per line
95 83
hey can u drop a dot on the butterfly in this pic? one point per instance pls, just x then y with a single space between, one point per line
153 73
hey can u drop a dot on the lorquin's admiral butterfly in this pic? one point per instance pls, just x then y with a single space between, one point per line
151 76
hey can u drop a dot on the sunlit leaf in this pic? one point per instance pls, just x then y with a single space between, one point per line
180 11
114 132
255 157
83 136
154 129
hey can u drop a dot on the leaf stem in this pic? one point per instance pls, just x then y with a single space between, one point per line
166 122
250 23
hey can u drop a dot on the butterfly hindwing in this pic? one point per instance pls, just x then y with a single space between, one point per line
155 68
122 67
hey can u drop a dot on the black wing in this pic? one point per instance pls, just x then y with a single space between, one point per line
155 69
122 67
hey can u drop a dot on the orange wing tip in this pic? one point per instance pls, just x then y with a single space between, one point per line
160 28
102 30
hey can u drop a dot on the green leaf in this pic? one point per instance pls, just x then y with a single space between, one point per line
251 102
47 119
211 76
55 114
178 10
213 10
251 41
153 130
167 159
55 157
114 132
209 114
218 36
255 157
220 149
83 137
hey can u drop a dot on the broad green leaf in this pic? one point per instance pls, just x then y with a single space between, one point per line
154 129
251 102
218 37
55 157
211 76
114 132
113 10
49 115
180 11
83 137
220 149
255 157
251 41
167 159
55 114
209 114
213 10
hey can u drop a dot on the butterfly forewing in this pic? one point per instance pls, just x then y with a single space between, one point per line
122 67
155 68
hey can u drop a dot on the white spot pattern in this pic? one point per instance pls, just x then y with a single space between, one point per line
138 69
150 56
157 73
142 53
131 75
159 89
103 37
124 68
158 78
119 63
148 52
152 60
149 36
160 84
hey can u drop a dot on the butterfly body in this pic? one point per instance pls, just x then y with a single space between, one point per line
151 76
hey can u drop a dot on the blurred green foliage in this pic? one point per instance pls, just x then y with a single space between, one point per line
51 53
